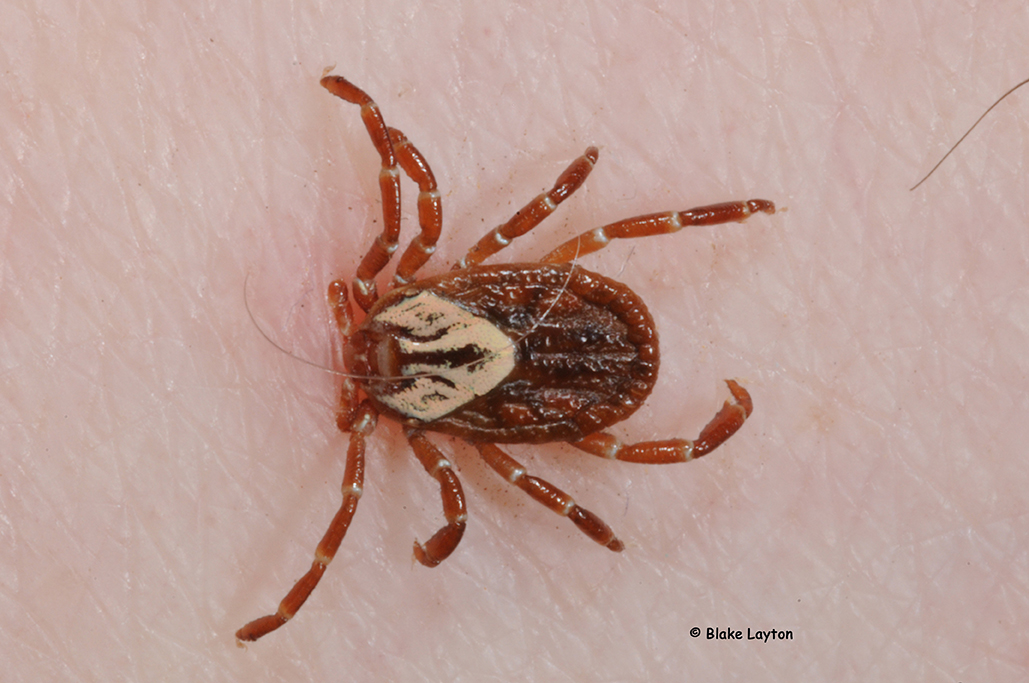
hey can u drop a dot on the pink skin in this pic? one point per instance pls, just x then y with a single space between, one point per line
167 473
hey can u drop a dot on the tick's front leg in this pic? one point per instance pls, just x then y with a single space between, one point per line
353 483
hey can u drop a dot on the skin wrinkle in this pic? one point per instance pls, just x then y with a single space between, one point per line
167 473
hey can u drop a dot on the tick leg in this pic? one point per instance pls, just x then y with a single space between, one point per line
444 541
430 209
655 224
344 315
550 496
726 423
353 481
533 213
385 244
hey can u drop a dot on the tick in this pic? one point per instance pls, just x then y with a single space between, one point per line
519 353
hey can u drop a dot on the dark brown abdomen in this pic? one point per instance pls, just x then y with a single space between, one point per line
587 352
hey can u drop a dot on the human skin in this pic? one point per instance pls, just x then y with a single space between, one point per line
166 472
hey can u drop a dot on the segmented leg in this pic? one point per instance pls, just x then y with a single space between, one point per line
655 224
550 496
444 541
530 215
353 481
344 315
430 209
385 244
728 420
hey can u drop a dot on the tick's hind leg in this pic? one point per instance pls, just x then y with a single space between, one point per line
726 423
655 224
550 496
353 481
533 213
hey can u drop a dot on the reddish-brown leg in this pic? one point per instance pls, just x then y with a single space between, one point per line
444 541
385 244
550 496
430 209
353 481
655 224
728 420
344 315
530 215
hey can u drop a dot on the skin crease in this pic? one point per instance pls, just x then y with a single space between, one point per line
167 473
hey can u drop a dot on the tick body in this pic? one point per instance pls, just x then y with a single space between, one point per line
519 353
496 354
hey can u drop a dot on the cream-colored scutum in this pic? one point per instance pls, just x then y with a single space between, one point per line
445 327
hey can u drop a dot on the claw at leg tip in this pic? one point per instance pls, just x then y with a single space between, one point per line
741 395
